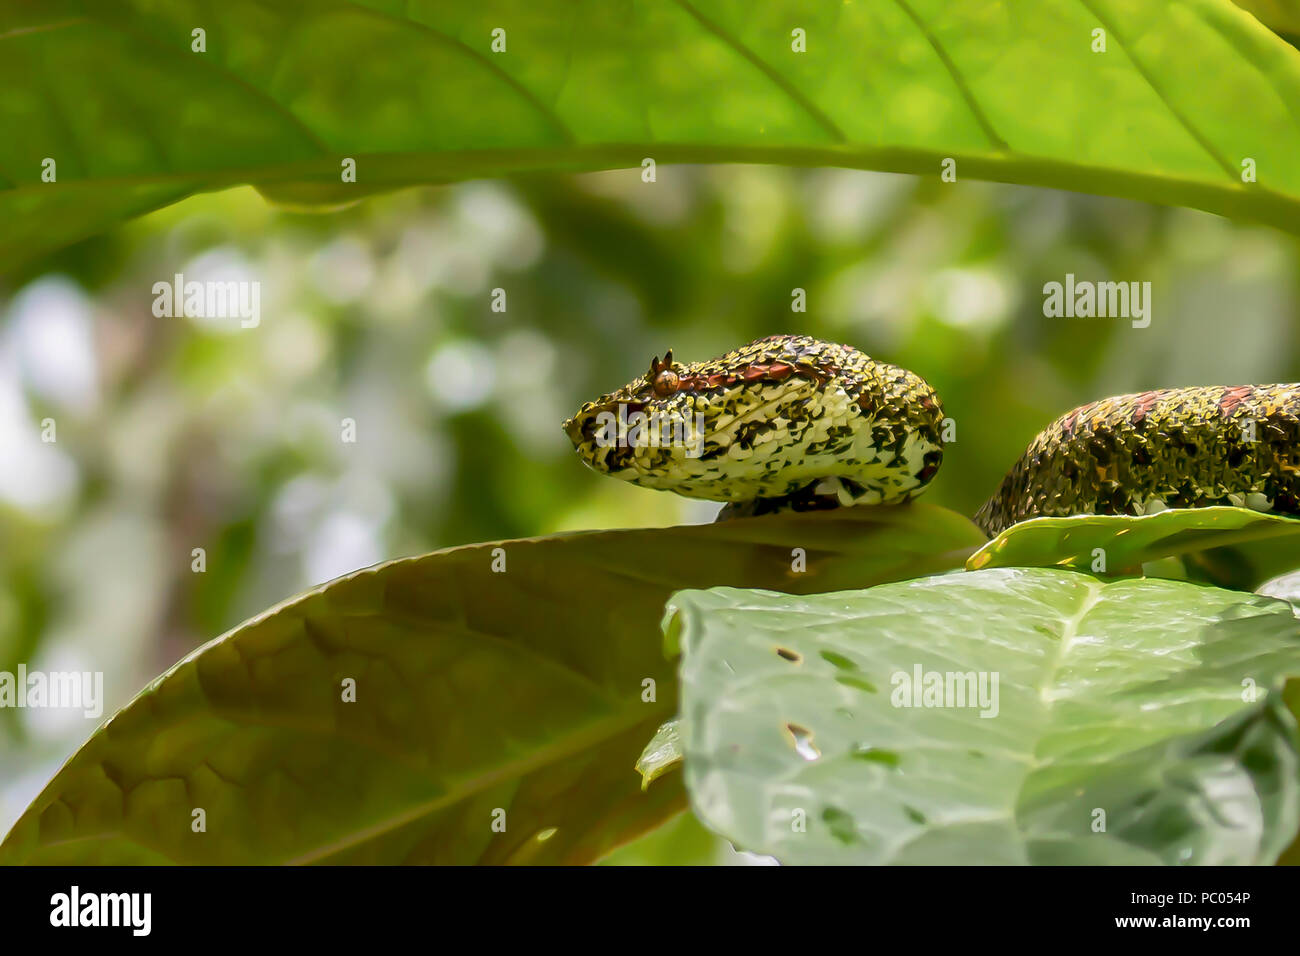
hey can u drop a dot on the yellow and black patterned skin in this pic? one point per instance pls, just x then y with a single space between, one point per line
793 423
1146 452
785 423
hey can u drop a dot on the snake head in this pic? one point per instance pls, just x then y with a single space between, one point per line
766 420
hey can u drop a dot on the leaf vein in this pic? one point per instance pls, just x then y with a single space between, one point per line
1197 135
967 94
781 83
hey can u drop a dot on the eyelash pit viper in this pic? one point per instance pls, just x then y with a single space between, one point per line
790 422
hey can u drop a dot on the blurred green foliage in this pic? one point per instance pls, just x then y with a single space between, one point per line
176 433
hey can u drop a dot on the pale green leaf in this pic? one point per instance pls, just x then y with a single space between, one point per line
1135 721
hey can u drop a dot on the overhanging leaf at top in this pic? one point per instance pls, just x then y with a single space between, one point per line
1013 91
521 690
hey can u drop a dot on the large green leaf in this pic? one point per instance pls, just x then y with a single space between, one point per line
1152 702
1254 546
1012 91
475 690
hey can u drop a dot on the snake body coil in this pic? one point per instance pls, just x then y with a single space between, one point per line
1149 451
790 422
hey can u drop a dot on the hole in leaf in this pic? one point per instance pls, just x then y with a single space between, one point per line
803 741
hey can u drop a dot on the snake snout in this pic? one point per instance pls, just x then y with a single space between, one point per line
573 428
586 434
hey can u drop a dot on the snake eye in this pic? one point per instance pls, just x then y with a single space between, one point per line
665 383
